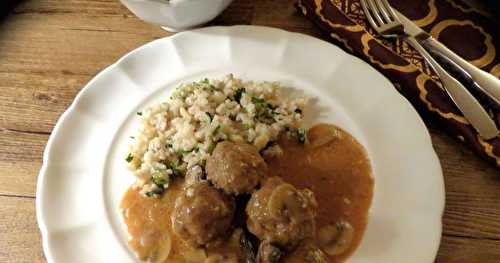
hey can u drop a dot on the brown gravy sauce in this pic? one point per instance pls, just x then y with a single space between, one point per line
333 165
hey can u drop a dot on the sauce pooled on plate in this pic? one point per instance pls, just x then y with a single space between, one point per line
332 164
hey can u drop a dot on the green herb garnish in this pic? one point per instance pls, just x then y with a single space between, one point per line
264 109
181 153
205 81
151 194
211 148
271 106
217 129
257 100
237 95
155 192
158 179
129 158
139 113
196 148
299 111
176 172
301 134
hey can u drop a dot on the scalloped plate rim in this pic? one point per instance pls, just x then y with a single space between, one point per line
57 128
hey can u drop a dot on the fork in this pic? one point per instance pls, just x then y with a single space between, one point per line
384 20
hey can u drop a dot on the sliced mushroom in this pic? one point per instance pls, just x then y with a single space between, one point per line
322 134
247 247
160 253
285 201
336 239
281 214
268 253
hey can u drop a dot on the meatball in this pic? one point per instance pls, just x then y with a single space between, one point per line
236 168
202 214
281 214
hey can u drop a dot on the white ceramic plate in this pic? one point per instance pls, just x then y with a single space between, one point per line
83 175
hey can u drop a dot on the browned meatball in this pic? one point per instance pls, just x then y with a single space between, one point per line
202 214
236 168
281 214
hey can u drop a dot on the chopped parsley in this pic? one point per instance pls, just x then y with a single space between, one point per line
205 81
257 100
151 194
158 179
237 95
271 106
211 148
156 192
217 129
129 158
196 148
161 181
265 110
299 111
139 113
301 134
181 153
176 172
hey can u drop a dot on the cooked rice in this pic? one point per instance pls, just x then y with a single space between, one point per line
177 136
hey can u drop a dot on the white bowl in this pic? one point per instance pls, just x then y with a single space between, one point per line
177 15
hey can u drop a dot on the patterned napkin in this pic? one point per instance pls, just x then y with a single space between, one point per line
463 29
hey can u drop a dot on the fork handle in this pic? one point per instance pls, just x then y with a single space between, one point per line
466 103
488 83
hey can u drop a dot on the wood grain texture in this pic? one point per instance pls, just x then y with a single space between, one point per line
20 239
468 250
20 161
49 49
472 191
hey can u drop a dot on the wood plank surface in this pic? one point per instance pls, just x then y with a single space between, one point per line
49 49
20 240
20 161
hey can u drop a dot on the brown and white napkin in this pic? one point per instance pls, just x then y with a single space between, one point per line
461 28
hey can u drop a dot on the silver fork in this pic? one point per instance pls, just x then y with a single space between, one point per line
385 21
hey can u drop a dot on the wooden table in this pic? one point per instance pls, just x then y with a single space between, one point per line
49 49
